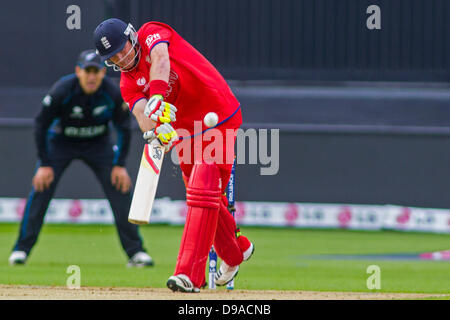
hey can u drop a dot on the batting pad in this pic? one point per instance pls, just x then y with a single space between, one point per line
225 242
203 200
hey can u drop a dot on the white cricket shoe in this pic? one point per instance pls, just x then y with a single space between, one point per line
249 252
225 274
140 259
17 257
181 282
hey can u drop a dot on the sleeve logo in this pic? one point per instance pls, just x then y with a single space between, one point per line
151 39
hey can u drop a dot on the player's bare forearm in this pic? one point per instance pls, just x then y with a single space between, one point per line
160 69
146 124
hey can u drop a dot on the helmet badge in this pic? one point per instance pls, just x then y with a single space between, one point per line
105 42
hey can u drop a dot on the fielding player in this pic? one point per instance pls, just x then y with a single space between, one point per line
73 124
159 70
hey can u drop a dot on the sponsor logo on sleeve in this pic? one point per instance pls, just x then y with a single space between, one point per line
151 39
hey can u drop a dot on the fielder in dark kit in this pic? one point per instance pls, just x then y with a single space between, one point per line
73 124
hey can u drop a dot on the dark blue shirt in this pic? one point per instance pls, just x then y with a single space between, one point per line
72 115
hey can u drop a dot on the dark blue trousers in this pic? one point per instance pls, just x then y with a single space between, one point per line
98 155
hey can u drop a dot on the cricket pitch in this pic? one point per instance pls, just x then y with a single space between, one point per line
20 292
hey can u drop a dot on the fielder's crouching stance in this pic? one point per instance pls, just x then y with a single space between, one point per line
74 124
159 70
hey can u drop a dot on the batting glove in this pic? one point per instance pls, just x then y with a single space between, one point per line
160 111
165 134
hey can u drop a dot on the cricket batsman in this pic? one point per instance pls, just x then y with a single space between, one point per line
74 124
168 86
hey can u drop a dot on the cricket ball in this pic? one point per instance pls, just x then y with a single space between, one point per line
211 119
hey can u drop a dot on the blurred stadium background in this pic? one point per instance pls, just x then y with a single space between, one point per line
364 115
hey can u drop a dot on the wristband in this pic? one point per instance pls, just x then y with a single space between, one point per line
158 87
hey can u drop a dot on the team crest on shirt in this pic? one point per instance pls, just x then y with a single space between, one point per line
77 112
141 81
150 40
98 110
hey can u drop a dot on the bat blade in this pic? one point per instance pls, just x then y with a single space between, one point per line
146 183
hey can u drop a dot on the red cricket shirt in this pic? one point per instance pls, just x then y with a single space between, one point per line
195 86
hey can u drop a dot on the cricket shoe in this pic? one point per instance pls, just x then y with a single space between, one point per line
249 252
17 257
245 245
181 282
225 274
140 259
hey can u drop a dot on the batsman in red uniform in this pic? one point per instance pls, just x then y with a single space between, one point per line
169 86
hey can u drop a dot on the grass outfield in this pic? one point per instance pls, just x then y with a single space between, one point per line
277 264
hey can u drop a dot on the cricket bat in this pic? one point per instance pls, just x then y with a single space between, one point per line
146 183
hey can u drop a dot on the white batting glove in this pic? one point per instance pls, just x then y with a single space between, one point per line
165 134
160 111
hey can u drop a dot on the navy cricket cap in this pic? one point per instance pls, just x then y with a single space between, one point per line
88 58
110 37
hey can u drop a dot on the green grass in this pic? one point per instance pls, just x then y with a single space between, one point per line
277 264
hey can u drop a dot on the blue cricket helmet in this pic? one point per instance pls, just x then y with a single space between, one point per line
110 37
